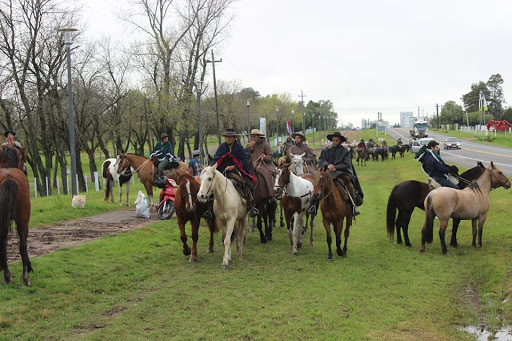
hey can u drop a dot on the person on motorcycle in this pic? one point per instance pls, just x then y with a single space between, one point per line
163 151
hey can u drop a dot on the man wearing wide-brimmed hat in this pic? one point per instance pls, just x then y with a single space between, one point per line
336 159
163 151
11 141
300 148
231 155
260 158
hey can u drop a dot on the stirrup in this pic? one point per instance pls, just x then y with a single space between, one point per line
272 200
208 215
356 211
253 212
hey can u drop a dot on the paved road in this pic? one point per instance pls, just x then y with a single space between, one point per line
470 152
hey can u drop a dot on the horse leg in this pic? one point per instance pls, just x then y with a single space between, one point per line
453 241
338 228
481 222
281 221
474 223
406 218
195 238
230 225
127 193
399 226
311 225
296 232
27 266
271 215
348 223
211 227
442 232
240 237
259 225
183 236
3 255
327 227
120 193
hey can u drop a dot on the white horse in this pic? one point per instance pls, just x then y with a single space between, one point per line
295 201
297 164
229 207
110 175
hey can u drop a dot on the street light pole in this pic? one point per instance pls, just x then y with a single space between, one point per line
278 124
200 120
213 61
293 120
67 40
313 124
248 116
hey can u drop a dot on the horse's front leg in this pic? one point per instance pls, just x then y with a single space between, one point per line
327 227
455 226
211 227
474 223
195 238
442 232
240 236
311 225
338 227
127 193
183 237
230 225
404 223
296 232
259 225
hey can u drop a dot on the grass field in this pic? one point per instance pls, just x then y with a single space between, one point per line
139 285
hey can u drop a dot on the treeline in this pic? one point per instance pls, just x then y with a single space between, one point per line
125 95
452 113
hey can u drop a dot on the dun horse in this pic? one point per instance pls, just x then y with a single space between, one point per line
229 207
335 209
410 194
111 176
188 208
471 203
14 205
144 168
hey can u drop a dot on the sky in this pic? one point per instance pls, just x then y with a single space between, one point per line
365 56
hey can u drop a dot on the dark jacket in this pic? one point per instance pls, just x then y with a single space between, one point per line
434 166
237 156
164 149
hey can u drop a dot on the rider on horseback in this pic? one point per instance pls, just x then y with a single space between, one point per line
232 156
336 159
371 143
301 148
361 144
260 156
399 141
434 166
163 151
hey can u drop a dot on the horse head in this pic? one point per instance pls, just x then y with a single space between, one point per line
498 179
208 176
297 164
188 189
282 178
12 157
321 184
122 162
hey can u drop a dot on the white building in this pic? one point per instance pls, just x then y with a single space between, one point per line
405 119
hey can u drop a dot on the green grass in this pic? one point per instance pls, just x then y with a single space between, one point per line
139 285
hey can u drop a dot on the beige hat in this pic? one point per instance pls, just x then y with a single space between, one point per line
299 134
256 132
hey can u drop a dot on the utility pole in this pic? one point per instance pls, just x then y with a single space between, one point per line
437 113
213 61
303 115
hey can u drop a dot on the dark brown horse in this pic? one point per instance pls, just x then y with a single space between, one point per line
14 205
335 209
188 208
144 168
410 194
267 208
362 155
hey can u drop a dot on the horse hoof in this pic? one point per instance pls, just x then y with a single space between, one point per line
186 252
264 240
192 260
127 204
330 260
422 249
224 266
269 238
299 245
295 253
209 251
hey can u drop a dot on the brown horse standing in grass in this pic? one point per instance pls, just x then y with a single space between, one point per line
471 203
335 209
188 208
14 205
144 168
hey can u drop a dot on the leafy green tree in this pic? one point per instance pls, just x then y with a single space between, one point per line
507 115
495 98
452 113
471 99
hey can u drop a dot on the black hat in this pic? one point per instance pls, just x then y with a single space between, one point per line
10 131
229 132
337 134
164 135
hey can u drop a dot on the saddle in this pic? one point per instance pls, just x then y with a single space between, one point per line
240 185
433 184
349 190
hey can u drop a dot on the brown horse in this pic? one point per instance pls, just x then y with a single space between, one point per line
410 194
14 205
471 203
362 155
188 208
335 209
144 168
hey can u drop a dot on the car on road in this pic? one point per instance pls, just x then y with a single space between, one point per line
417 144
451 143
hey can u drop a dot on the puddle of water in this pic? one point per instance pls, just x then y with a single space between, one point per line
504 334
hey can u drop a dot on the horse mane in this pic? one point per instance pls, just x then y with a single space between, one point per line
475 187
10 157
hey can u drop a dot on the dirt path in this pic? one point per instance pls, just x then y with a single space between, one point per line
45 239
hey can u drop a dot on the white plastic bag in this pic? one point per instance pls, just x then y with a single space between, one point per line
78 201
142 208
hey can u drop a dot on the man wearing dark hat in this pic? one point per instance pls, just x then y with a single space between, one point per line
260 158
231 156
11 141
337 160
195 164
300 148
163 151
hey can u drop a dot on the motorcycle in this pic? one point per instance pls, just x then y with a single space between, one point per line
165 207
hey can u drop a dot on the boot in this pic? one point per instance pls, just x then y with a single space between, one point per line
253 212
208 215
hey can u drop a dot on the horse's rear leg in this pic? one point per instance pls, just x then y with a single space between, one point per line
311 225
127 193
27 265
404 223
281 221
453 241
259 225
211 227
195 238
474 223
442 232
3 256
183 236
481 222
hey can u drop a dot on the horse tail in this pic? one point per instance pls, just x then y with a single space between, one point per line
8 201
429 220
391 213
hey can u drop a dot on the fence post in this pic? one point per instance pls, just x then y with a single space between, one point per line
47 191
86 185
96 182
35 187
58 186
